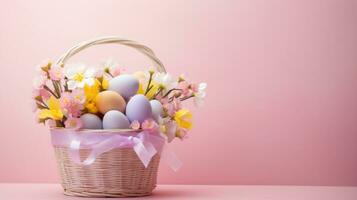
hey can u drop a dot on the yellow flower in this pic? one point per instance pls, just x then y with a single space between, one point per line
152 91
143 83
91 92
91 107
141 89
102 83
183 118
105 84
54 110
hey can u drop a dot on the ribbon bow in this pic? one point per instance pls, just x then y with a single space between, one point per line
145 144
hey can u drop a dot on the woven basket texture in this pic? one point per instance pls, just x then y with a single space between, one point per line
116 173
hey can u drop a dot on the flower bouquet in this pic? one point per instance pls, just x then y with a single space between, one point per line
109 128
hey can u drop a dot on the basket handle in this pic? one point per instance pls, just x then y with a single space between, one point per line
112 39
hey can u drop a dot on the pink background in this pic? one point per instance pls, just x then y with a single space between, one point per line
282 76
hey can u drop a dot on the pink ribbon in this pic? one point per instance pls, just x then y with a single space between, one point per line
145 144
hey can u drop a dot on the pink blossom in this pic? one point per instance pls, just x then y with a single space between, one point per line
185 88
45 94
71 104
150 125
115 71
173 106
194 87
73 123
182 133
78 94
163 100
170 127
135 125
39 92
56 73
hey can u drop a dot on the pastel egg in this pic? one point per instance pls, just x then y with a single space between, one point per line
91 121
115 120
109 100
126 85
156 108
138 108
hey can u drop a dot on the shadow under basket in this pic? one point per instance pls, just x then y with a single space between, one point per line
116 173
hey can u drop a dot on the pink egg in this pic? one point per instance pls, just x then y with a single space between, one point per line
109 100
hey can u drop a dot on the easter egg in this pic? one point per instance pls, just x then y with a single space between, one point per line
138 108
156 108
109 100
91 121
115 120
126 85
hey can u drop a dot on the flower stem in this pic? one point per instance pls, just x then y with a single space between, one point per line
66 85
48 89
59 123
59 86
149 83
157 93
168 92
41 105
185 98
55 86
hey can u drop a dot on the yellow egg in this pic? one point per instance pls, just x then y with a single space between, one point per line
109 100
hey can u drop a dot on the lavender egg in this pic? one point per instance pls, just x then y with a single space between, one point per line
115 120
156 108
91 121
138 108
126 85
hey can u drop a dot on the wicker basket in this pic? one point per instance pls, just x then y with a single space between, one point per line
118 172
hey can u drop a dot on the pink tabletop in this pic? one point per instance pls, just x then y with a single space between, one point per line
54 192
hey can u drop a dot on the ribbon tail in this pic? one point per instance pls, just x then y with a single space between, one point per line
145 151
171 159
74 151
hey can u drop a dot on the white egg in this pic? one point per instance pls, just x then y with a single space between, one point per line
156 108
126 85
115 120
91 121
138 108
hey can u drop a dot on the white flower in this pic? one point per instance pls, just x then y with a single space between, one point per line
165 80
78 76
110 66
109 63
200 94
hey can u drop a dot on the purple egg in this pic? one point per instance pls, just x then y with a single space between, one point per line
156 108
126 85
138 108
115 120
91 121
